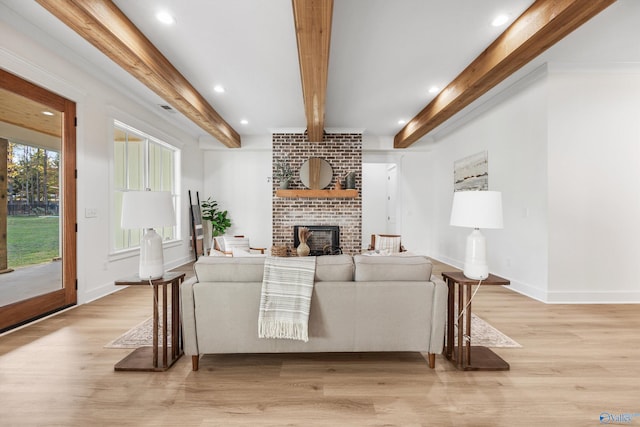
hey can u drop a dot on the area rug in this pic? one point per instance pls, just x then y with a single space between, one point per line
483 334
140 335
486 335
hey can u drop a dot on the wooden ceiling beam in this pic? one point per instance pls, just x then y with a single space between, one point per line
103 25
313 33
541 26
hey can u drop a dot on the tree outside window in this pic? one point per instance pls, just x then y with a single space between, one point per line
33 205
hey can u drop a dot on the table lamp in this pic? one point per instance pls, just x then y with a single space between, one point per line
148 209
476 209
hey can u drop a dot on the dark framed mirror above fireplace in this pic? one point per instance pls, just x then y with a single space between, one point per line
324 240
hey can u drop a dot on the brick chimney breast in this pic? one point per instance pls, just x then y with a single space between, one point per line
343 151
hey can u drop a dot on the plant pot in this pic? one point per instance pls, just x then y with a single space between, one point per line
284 184
303 249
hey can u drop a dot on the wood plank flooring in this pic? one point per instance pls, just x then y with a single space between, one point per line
577 362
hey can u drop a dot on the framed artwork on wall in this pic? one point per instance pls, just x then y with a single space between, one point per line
471 173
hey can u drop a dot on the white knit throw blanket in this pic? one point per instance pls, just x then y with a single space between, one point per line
287 286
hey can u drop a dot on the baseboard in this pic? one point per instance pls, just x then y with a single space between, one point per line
515 285
528 290
449 261
180 261
608 297
99 292
596 297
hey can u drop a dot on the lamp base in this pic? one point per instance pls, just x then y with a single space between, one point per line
475 273
475 260
151 256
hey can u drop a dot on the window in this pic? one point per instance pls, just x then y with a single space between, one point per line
141 161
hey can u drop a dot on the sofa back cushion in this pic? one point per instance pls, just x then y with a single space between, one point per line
392 268
329 268
334 268
229 269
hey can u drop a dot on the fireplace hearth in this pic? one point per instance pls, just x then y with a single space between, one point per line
324 240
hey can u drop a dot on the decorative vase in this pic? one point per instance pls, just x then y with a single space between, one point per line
351 180
303 249
284 184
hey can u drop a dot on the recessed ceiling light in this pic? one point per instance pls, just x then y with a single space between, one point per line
165 17
500 20
47 113
218 88
401 122
434 89
244 122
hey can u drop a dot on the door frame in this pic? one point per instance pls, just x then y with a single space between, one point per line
33 308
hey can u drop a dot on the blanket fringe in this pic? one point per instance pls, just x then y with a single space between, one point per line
269 328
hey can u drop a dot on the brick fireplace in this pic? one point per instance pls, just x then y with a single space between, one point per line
343 151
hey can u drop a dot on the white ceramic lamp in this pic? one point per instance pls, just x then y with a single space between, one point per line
476 209
148 209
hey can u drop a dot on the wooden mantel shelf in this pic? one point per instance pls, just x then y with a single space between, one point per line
318 194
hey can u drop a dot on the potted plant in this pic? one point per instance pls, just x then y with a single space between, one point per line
218 218
284 173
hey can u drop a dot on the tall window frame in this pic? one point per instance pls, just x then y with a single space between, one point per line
141 161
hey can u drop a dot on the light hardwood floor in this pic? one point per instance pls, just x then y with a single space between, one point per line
577 361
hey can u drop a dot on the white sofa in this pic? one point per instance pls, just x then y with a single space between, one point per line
359 304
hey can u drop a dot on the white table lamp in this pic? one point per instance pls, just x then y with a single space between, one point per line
148 209
476 209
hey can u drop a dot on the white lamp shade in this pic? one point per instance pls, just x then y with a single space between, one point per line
147 209
477 209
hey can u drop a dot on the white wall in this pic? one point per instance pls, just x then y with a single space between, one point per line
374 200
564 149
393 206
238 180
96 105
514 133
415 194
594 176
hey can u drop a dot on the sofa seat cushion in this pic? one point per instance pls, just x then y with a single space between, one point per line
334 268
391 268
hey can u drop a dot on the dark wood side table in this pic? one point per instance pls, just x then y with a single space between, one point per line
146 358
463 355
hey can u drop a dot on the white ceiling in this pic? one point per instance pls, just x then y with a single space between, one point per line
384 54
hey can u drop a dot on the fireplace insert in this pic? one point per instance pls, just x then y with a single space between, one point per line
324 240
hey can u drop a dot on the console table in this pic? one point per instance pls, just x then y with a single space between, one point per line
146 358
461 354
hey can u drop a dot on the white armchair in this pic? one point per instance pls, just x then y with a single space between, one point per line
387 242
235 246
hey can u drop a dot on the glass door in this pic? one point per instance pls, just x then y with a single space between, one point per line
37 202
